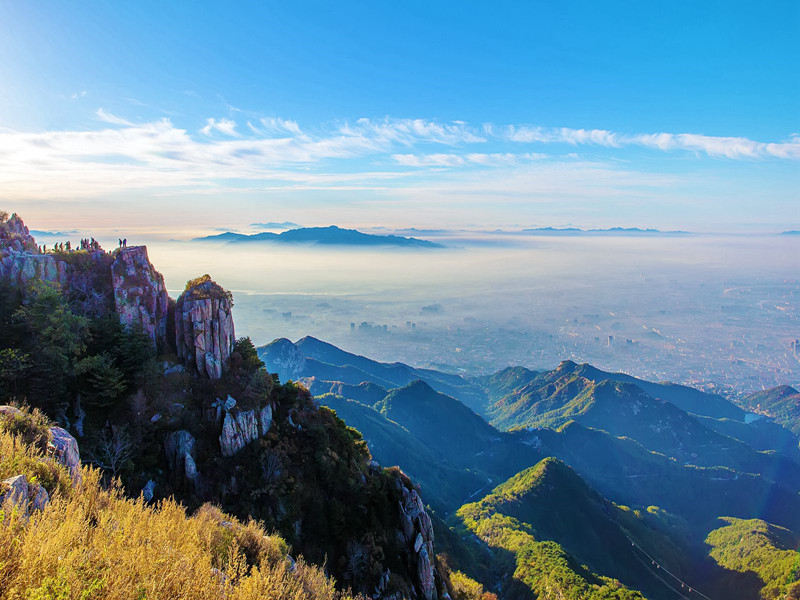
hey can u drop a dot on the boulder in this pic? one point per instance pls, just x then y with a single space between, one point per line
140 295
39 497
241 427
174 369
148 490
24 496
9 411
64 448
204 334
15 491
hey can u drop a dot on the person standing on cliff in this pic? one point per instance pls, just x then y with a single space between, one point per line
125 243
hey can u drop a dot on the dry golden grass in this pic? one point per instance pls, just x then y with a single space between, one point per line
91 543
17 457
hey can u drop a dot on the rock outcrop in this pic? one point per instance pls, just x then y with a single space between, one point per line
20 259
16 237
64 448
239 428
417 532
204 327
23 495
140 295
179 448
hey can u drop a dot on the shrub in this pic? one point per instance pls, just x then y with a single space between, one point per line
19 458
245 355
32 426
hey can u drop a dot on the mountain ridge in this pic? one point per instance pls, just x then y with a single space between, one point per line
331 235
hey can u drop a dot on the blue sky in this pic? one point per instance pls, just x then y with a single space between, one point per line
665 114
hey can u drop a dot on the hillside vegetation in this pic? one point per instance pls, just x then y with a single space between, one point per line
752 546
93 542
661 464
564 539
782 403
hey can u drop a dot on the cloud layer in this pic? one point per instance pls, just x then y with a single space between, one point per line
122 155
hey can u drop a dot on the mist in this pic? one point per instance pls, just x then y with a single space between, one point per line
719 312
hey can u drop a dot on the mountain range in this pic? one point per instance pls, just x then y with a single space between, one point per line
331 235
661 462
275 225
608 231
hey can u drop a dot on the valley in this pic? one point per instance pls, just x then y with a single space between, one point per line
667 460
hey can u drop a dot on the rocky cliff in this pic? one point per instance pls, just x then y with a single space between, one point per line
222 429
417 530
204 332
16 237
140 295
20 259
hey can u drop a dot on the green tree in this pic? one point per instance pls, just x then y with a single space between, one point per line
134 353
13 364
10 301
55 338
245 355
100 382
130 349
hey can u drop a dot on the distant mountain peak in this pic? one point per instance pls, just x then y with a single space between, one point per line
329 235
419 386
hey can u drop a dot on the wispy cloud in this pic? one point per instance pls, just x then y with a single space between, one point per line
470 158
224 126
274 125
107 117
271 153
715 146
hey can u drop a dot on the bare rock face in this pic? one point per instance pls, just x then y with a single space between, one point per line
204 327
20 259
265 419
65 449
240 428
15 236
417 532
140 295
179 447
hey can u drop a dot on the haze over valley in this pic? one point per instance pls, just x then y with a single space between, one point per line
711 310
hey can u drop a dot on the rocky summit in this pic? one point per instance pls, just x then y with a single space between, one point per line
140 295
126 282
204 327
21 260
